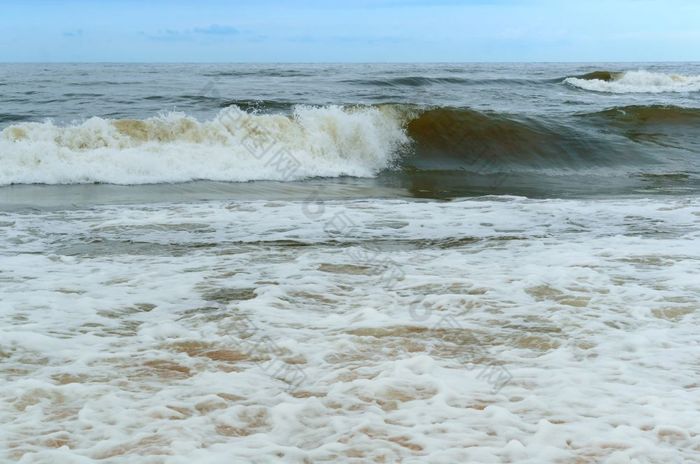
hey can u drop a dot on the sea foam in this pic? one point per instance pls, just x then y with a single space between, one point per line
166 333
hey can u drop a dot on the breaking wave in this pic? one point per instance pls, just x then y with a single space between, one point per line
333 141
635 82
234 146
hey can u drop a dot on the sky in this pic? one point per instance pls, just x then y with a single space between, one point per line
348 31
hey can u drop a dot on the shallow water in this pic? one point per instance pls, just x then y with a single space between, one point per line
423 312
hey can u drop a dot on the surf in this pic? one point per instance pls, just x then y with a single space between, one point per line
337 141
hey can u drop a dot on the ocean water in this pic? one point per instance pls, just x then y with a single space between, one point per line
350 263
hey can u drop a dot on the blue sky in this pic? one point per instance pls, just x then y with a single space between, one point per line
349 31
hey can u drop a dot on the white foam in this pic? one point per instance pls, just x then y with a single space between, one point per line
235 146
113 350
640 82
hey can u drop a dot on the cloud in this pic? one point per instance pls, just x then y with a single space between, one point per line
347 39
73 33
216 29
213 30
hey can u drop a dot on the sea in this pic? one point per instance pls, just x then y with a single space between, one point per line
362 263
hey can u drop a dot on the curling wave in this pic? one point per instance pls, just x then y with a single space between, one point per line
635 82
485 142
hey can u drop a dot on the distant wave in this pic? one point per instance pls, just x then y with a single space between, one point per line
658 125
333 141
425 81
635 82
409 81
270 72
651 114
12 117
606 76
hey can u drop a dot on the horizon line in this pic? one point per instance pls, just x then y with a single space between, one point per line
355 62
